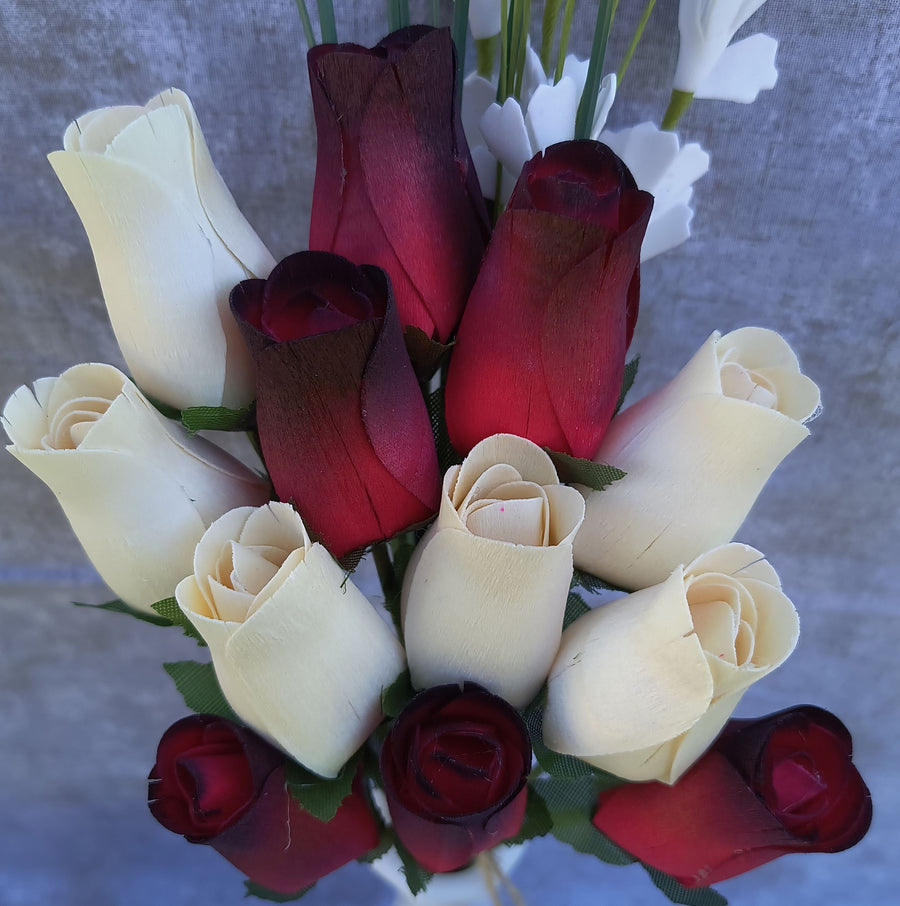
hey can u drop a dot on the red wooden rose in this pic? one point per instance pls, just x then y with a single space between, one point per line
455 766
780 784
395 183
540 350
218 783
344 431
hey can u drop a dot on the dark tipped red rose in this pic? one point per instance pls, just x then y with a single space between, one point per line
218 783
343 427
395 183
540 350
780 784
455 766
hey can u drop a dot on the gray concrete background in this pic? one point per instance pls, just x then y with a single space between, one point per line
796 229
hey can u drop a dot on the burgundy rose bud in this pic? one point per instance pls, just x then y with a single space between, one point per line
344 431
220 784
540 350
455 766
780 784
395 183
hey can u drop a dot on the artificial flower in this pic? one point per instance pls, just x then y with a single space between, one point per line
707 66
540 350
697 452
300 654
667 171
137 490
455 766
484 18
169 243
485 592
395 185
219 784
771 786
641 686
342 423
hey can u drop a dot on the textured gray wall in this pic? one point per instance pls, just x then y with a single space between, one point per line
796 229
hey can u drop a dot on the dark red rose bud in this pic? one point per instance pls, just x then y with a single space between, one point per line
780 784
344 431
395 183
218 783
455 766
541 348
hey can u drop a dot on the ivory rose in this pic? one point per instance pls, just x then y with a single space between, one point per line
299 652
642 686
697 453
137 490
485 592
169 243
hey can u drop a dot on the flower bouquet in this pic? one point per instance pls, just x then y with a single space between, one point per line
437 386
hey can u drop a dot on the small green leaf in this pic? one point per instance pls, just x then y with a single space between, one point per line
417 878
352 559
447 455
169 610
164 408
537 823
595 475
678 893
385 842
401 547
199 688
631 370
263 893
119 606
575 608
319 796
425 354
396 696
555 764
591 583
218 418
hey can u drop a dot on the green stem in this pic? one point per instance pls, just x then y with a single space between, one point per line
435 13
393 14
386 575
564 38
326 21
522 17
403 10
678 103
639 32
307 24
485 52
548 27
502 93
458 31
584 120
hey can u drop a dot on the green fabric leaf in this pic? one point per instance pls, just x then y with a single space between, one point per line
575 608
401 547
319 796
351 560
678 893
537 823
168 609
119 606
591 583
218 418
417 878
555 764
425 354
164 408
263 893
396 696
572 470
385 842
631 370
199 688
572 804
447 456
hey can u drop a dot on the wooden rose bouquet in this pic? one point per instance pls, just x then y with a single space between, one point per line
565 622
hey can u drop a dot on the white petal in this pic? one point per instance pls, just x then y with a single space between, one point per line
666 231
743 70
477 95
484 18
550 117
505 135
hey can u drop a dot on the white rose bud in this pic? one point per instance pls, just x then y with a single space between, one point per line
137 489
299 652
642 686
697 453
169 244
485 592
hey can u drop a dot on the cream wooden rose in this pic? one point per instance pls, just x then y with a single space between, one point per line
485 592
169 243
642 686
300 653
697 453
138 491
